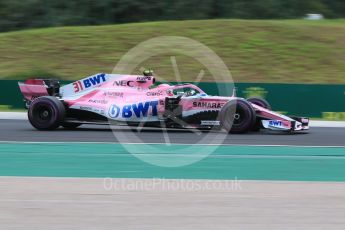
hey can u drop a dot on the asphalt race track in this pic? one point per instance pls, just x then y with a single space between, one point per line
21 130
66 185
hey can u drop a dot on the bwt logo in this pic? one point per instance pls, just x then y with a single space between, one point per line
138 110
88 82
275 123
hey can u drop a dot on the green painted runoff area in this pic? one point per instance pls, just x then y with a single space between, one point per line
226 162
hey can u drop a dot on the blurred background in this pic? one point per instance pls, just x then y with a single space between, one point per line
17 14
267 50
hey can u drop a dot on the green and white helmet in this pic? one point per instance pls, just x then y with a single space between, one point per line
148 72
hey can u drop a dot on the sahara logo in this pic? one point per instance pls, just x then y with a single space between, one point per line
134 110
88 82
209 105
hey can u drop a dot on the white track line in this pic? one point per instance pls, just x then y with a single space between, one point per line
13 115
328 124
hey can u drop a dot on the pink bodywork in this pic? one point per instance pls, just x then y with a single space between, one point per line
135 98
33 88
125 90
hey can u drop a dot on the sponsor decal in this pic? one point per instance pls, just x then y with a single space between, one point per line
275 123
279 124
144 78
209 105
114 111
88 82
96 110
154 94
85 108
210 122
124 83
113 94
140 109
305 120
134 110
98 101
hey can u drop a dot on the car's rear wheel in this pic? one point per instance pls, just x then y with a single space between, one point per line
264 104
46 113
237 116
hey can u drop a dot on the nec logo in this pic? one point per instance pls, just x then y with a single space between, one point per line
134 110
275 123
123 83
88 82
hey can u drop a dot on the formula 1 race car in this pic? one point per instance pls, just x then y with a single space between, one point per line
136 100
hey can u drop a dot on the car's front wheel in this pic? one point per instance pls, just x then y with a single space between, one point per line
46 113
260 102
237 116
264 104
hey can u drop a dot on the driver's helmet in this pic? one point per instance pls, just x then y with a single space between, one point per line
148 72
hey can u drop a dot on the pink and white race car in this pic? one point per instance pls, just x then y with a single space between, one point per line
136 100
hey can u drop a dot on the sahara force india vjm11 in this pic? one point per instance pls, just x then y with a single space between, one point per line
136 100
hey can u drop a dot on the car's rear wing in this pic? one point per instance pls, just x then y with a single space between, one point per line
34 88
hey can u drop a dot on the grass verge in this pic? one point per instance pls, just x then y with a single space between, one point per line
284 51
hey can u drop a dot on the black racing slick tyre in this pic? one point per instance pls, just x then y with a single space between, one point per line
46 113
237 116
260 102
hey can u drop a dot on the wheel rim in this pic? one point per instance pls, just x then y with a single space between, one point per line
44 114
239 116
